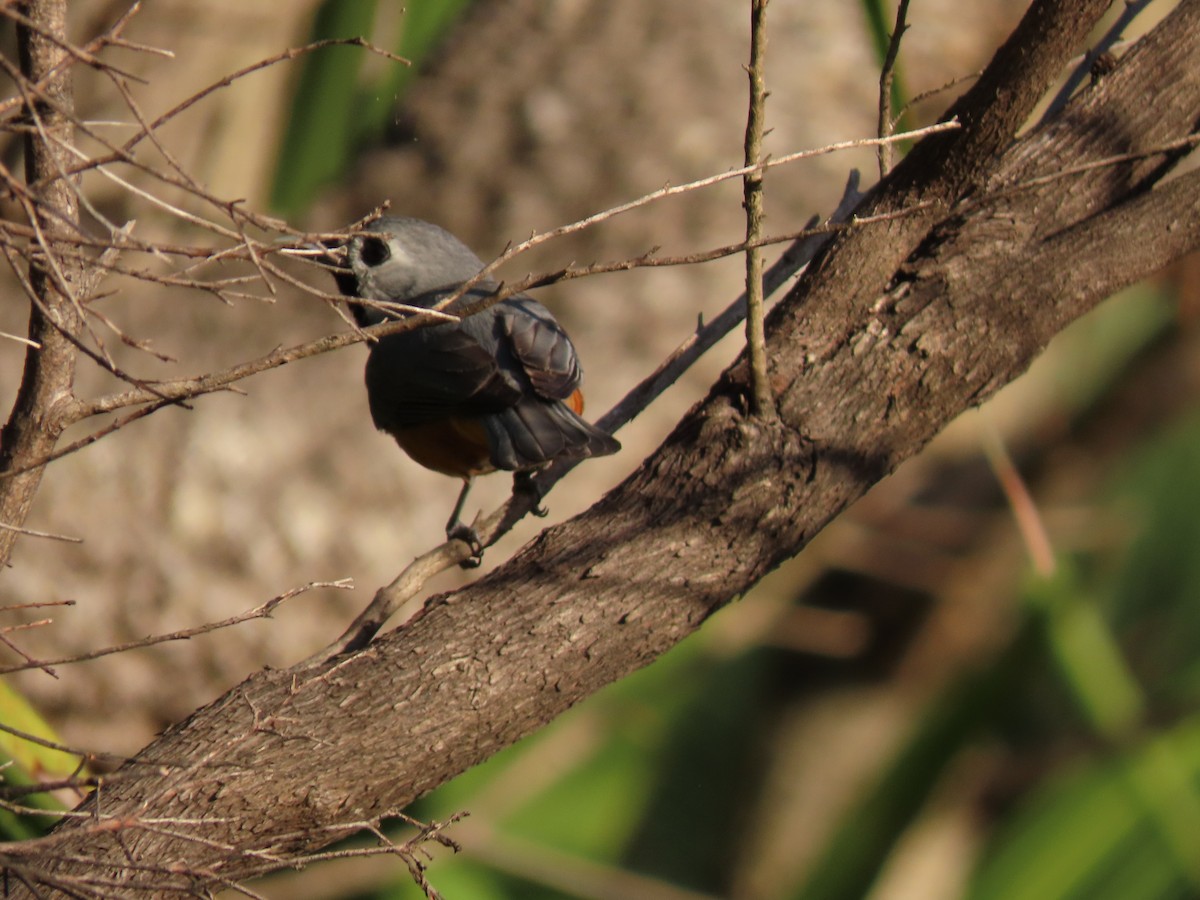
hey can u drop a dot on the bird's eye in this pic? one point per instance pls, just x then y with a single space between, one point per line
374 251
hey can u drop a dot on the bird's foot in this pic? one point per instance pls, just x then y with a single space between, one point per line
523 482
457 531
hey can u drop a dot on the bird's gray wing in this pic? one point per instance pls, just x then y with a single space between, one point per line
541 347
540 427
434 373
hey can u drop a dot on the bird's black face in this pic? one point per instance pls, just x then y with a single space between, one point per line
374 251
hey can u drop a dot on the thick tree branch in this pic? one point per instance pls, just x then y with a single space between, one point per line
897 329
36 420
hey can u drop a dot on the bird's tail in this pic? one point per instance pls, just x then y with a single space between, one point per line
536 431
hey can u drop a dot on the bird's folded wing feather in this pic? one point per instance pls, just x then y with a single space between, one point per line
541 346
433 374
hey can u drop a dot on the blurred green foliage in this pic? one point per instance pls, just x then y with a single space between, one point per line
336 109
24 763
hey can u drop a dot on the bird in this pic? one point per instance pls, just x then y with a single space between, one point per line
498 389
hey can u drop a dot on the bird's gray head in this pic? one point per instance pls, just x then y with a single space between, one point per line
407 261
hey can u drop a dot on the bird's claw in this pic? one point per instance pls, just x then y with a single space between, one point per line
457 531
523 482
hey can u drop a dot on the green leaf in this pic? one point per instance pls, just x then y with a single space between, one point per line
321 122
26 763
333 113
1089 834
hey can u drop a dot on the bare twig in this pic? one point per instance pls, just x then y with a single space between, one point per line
41 604
762 402
25 626
86 756
674 190
87 440
649 260
20 340
263 611
887 74
933 92
29 532
30 662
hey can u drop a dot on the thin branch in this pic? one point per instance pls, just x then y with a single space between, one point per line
887 75
85 755
30 663
182 389
263 611
674 190
29 532
762 403
1177 145
25 626
933 92
88 440
42 604
20 340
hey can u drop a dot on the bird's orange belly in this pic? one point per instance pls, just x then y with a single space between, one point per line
456 446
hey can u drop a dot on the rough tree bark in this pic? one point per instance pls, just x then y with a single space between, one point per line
36 420
896 329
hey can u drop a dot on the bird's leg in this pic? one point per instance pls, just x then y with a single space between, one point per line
524 483
457 530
